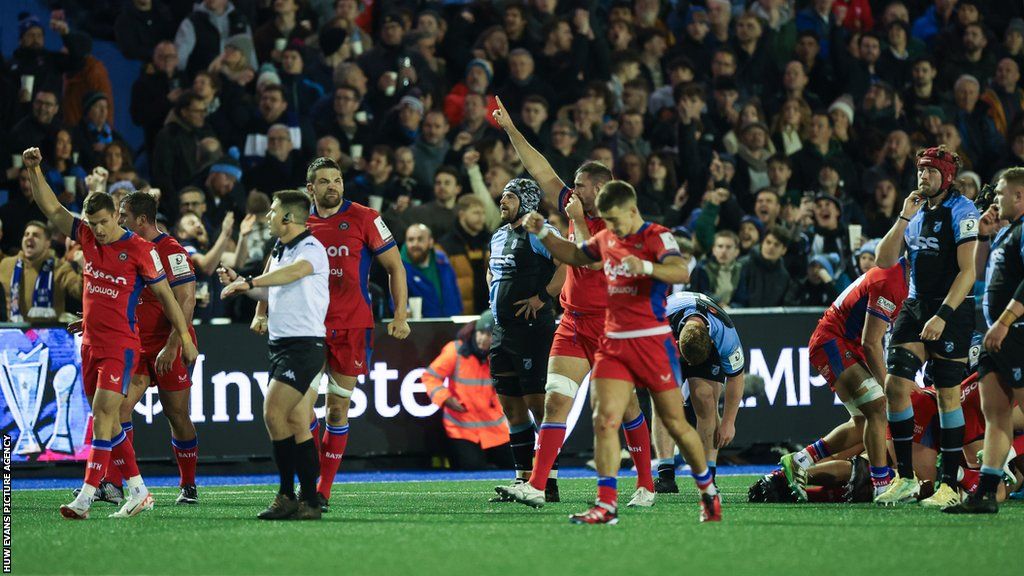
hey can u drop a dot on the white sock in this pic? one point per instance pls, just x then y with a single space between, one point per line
136 485
87 495
553 475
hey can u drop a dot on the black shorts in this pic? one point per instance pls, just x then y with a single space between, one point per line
519 357
297 362
709 369
955 341
1008 362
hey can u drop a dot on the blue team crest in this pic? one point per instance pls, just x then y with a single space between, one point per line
937 227
715 370
1016 374
527 363
949 347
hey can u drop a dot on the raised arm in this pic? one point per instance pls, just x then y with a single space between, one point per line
43 194
533 161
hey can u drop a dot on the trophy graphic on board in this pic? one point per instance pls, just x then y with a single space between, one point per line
63 384
22 379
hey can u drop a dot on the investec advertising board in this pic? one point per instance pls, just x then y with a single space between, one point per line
43 407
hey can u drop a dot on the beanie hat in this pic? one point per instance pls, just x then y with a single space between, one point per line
26 22
488 69
486 321
90 99
528 192
940 158
845 105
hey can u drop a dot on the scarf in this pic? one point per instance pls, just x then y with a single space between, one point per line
103 134
42 293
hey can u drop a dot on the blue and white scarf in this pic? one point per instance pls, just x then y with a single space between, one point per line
42 294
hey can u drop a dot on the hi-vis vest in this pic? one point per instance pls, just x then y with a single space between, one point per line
469 381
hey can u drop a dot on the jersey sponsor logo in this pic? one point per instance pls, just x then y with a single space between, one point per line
333 251
736 359
925 243
157 264
886 304
91 270
627 290
1016 374
614 271
937 227
715 370
104 290
669 241
382 228
969 227
178 263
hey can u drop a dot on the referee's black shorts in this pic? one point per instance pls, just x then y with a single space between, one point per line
1008 362
519 356
297 361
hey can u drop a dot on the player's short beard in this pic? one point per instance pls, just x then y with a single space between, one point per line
323 202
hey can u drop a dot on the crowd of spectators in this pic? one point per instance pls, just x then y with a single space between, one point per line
776 138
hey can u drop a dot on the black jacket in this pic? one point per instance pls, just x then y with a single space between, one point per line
138 32
149 106
762 283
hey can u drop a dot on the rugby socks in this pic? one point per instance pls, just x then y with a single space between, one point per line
705 482
667 469
881 477
638 441
284 457
332 449
521 440
122 455
901 426
990 478
812 454
713 467
114 475
186 452
549 443
314 430
306 465
608 491
951 442
98 462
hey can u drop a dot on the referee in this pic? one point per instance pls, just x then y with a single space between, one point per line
524 281
1001 365
296 296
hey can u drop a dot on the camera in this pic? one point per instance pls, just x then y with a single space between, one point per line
986 196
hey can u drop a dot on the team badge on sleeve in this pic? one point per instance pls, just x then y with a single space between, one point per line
736 360
178 264
669 241
968 227
157 265
382 228
886 304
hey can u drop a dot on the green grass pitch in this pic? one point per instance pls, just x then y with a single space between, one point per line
449 528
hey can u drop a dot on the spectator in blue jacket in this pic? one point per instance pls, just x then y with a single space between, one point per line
429 274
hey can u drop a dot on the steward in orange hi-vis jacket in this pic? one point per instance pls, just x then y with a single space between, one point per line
473 418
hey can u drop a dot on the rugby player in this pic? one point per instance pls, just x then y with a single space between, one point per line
847 351
117 265
711 355
1001 364
352 234
172 379
938 226
573 352
641 260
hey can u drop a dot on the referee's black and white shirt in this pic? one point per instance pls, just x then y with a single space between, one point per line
298 309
